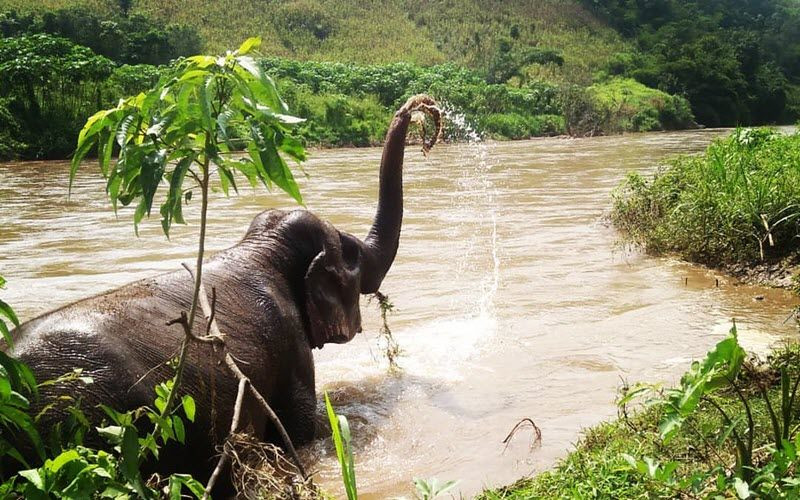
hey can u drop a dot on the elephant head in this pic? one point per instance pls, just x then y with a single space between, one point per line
332 288
347 266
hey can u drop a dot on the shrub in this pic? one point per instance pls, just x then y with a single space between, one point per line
131 40
737 203
507 125
629 106
52 86
546 125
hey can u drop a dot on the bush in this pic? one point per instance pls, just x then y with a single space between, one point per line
52 86
508 125
737 203
546 125
9 131
629 106
130 40
368 94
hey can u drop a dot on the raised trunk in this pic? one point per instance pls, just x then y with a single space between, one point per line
384 235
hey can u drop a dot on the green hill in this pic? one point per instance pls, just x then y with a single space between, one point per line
466 32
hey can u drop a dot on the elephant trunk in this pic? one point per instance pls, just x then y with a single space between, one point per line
384 236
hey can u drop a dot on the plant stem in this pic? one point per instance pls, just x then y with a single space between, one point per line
198 276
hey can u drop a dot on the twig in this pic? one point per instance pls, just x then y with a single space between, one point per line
237 410
208 311
213 311
536 431
287 441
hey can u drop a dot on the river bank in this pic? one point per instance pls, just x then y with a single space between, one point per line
733 208
629 457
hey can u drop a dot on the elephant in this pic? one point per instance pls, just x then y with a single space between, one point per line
290 285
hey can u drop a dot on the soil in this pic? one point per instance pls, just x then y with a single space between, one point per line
777 274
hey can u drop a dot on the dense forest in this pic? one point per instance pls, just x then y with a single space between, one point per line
515 70
738 62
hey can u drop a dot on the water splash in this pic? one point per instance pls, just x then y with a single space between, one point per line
441 349
478 194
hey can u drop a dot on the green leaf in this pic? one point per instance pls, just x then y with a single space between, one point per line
188 407
180 431
341 439
130 453
151 175
193 485
34 477
293 148
5 310
6 450
87 137
6 334
226 180
720 366
122 130
248 168
24 422
252 43
172 207
270 164
202 61
5 388
63 459
204 98
111 433
104 154
259 84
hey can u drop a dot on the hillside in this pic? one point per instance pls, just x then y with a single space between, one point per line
467 32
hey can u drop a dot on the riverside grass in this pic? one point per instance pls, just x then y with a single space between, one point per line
736 204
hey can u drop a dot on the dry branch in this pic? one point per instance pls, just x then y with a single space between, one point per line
537 433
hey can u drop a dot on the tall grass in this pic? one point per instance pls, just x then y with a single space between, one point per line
737 203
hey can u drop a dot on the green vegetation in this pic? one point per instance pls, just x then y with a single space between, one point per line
729 430
467 33
124 39
350 104
620 105
340 432
50 86
737 62
737 203
514 69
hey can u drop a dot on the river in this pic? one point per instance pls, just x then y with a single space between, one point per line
514 299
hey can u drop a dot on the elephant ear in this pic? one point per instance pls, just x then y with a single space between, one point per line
331 292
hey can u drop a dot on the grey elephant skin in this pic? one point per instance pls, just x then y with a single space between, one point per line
290 285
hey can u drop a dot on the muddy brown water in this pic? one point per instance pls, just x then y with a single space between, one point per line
513 298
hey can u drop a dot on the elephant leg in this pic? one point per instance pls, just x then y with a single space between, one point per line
296 408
